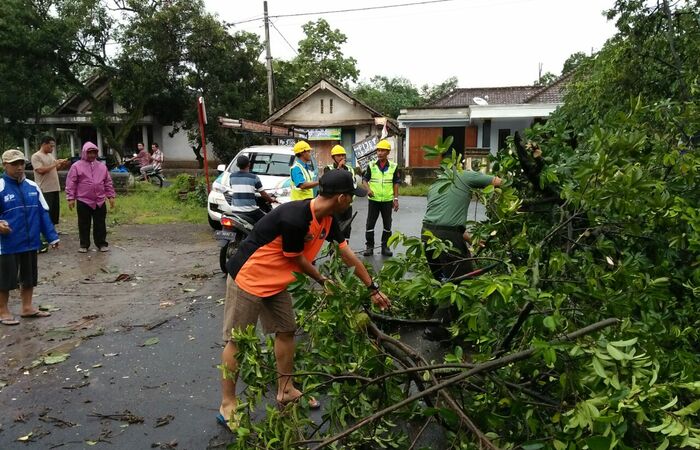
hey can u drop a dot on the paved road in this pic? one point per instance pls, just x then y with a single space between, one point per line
113 373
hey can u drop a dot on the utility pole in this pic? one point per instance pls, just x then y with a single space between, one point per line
268 57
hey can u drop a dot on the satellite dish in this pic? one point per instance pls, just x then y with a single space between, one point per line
480 101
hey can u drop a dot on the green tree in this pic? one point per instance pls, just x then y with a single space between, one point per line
433 93
583 331
320 56
545 79
388 95
573 61
48 46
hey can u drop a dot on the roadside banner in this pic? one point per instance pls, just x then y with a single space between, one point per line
366 151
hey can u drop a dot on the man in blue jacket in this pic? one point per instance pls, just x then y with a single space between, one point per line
24 216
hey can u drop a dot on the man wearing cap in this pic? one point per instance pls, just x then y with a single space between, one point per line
45 166
283 242
301 172
340 163
24 217
89 184
381 179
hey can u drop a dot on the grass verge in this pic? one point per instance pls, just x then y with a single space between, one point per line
417 190
147 204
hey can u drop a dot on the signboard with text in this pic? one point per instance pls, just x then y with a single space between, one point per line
323 134
366 151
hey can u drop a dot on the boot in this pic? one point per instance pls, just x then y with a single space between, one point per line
386 251
369 251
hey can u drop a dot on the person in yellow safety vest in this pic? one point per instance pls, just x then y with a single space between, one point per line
340 162
381 179
301 172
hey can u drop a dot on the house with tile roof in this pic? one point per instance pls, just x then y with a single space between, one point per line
479 119
331 115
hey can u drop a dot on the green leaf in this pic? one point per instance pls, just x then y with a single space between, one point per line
598 443
690 409
532 446
55 359
598 367
617 354
626 343
663 445
670 404
550 323
150 341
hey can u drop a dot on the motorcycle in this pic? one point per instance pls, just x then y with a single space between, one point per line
155 176
234 228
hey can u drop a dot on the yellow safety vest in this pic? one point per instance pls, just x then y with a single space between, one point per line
301 194
382 183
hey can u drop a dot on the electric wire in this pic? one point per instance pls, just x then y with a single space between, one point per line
285 39
338 11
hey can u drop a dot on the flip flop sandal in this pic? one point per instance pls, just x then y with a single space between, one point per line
222 421
35 315
11 321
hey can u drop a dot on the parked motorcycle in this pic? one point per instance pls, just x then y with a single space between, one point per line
155 176
234 228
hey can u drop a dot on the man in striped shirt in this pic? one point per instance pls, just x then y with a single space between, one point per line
243 188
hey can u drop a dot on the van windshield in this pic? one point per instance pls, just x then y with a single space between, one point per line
273 164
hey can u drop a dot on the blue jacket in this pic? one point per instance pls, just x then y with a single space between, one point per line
23 206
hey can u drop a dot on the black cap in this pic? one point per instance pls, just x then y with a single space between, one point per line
339 181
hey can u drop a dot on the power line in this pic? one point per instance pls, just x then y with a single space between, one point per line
369 8
338 11
285 39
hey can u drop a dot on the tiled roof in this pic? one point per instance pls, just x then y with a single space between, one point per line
509 95
554 93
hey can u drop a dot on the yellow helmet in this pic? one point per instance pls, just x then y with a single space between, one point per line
301 146
338 150
383 145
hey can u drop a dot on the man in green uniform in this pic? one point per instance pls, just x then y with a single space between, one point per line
446 217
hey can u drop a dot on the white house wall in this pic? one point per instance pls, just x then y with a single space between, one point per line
499 124
177 147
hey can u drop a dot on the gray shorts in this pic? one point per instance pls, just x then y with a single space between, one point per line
242 309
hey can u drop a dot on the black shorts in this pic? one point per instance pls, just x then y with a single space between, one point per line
18 269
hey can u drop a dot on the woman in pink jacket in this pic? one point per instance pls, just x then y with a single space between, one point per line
89 184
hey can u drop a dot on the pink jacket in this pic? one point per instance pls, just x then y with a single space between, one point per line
89 182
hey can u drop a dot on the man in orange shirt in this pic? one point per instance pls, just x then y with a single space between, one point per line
283 242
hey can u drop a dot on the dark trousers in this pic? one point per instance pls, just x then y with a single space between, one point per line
97 216
373 211
53 199
448 264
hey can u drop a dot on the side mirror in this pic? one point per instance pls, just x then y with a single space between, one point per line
221 168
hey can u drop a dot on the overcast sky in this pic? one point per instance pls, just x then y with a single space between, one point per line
481 42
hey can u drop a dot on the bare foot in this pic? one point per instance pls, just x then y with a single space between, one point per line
292 395
228 409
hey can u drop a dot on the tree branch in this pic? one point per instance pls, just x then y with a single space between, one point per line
485 367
